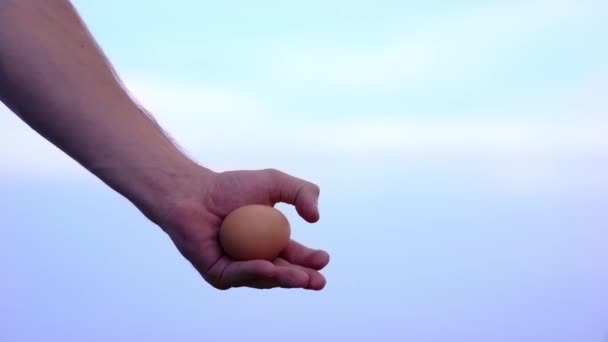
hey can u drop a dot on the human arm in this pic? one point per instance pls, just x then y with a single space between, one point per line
55 77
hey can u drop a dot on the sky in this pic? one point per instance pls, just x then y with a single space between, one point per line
461 149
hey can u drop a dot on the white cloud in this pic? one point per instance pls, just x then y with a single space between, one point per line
228 129
210 119
203 105
466 135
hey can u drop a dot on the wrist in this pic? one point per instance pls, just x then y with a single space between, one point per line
154 182
156 189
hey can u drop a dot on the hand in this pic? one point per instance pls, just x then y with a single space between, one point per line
193 221
64 87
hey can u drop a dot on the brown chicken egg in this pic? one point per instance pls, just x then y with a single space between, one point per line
254 232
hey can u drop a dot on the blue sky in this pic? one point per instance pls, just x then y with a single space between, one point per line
345 59
461 149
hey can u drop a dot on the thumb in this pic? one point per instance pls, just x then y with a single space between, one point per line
304 195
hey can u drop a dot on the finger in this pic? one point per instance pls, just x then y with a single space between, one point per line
238 274
261 274
302 194
316 280
291 277
299 254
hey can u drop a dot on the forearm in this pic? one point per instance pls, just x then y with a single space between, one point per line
56 79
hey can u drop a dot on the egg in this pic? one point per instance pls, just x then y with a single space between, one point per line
254 232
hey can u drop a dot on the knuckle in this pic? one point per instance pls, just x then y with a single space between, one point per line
273 173
316 189
221 287
217 284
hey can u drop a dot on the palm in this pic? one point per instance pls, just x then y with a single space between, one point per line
196 232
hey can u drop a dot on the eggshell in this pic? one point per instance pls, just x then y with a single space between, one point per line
255 232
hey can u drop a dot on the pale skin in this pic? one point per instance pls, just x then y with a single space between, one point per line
54 76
